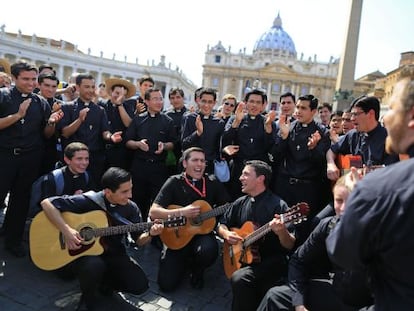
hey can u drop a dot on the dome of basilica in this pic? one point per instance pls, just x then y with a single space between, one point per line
275 40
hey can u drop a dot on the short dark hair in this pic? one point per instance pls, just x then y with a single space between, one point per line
313 101
261 168
336 113
287 94
209 91
114 177
47 66
49 76
367 103
146 78
83 76
187 152
148 92
70 149
197 93
20 66
176 90
256 92
325 105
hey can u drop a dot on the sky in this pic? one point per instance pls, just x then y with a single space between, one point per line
182 29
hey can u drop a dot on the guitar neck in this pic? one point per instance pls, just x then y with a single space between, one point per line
213 212
256 235
115 230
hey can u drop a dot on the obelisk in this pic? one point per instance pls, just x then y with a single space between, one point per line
346 74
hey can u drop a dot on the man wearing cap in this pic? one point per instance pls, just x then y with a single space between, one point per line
120 111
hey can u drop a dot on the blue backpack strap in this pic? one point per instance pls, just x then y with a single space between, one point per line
59 180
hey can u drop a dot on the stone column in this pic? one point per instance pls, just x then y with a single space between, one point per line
346 73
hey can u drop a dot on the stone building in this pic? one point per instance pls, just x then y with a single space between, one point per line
273 66
66 58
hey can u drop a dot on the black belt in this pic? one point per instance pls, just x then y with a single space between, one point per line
151 160
17 151
294 181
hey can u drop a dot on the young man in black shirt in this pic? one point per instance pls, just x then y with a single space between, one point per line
113 268
182 190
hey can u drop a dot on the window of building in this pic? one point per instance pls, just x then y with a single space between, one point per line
217 59
304 90
215 82
276 88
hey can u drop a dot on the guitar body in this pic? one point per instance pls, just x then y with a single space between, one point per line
346 161
178 237
47 248
236 255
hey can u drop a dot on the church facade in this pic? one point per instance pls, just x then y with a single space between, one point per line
273 66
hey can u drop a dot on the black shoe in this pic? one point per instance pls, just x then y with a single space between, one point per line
106 290
84 306
16 250
197 280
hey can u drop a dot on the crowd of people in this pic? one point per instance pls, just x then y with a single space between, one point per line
118 151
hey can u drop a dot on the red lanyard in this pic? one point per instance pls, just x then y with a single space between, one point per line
202 194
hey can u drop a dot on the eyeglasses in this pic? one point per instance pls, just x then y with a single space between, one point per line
229 104
159 99
356 114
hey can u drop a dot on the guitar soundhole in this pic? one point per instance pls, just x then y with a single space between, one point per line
196 221
88 235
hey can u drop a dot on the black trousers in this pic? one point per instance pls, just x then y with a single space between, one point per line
320 297
196 256
18 172
120 273
147 178
250 283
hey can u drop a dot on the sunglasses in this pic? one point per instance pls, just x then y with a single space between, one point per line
229 104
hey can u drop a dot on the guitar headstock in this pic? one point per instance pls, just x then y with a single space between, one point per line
297 213
175 221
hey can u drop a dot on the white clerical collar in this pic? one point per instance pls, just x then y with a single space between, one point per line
252 117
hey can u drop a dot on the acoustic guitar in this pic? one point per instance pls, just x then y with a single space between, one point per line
237 255
47 244
178 237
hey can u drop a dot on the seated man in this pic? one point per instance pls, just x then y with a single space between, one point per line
261 206
310 285
182 190
114 268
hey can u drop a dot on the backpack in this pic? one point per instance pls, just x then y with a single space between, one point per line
36 194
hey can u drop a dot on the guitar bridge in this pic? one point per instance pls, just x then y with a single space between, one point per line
177 232
62 241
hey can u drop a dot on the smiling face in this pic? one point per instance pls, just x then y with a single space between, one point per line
251 184
79 162
195 165
26 81
86 90
206 104
255 104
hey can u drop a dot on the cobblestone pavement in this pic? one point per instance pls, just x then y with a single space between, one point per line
24 287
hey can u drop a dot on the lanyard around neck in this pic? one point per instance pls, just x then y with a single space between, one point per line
201 193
